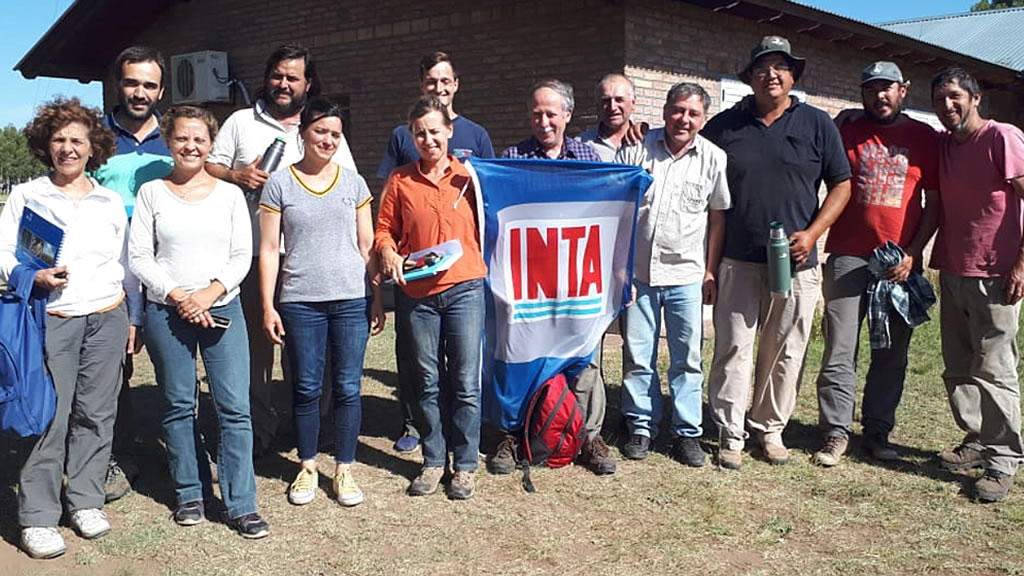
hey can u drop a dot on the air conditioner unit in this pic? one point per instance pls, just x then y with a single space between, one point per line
194 77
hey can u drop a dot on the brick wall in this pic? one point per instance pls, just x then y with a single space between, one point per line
669 42
370 50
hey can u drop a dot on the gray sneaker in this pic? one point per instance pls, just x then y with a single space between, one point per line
463 486
116 485
832 452
993 486
426 483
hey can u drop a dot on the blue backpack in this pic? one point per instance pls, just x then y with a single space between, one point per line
27 398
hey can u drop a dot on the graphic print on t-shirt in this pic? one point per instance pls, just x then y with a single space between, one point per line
882 174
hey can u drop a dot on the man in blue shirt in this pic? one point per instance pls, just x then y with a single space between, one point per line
141 156
439 79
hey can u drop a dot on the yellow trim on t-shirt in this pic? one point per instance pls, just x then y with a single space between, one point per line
337 174
365 202
269 208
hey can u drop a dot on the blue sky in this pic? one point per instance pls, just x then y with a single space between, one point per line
28 20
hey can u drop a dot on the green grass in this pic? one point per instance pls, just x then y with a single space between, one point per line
651 517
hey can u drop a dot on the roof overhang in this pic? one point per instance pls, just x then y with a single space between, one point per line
88 36
844 31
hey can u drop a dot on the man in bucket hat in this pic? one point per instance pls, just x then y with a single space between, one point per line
780 151
896 160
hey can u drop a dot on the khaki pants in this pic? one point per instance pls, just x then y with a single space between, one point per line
744 305
590 393
979 348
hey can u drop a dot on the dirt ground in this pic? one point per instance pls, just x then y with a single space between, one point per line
651 517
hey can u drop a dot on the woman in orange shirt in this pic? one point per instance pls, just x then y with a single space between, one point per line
424 204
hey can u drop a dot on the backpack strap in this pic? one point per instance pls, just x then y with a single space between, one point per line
21 280
537 395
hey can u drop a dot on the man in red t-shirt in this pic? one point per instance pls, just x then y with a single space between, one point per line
894 160
980 256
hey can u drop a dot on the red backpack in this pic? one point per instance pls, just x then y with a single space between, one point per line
553 431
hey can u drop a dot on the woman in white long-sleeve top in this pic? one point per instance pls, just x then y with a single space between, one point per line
191 245
87 321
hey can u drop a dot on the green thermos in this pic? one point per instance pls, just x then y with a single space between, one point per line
780 266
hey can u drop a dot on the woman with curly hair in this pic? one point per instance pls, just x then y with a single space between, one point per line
91 297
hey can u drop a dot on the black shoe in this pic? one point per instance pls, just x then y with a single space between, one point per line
503 461
636 448
687 451
189 513
250 526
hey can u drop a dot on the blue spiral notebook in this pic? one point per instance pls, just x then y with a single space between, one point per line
431 261
39 241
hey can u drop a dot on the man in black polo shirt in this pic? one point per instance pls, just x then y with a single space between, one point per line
780 151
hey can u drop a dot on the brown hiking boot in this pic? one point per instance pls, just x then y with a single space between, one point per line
962 457
596 456
776 454
993 486
503 461
730 459
832 453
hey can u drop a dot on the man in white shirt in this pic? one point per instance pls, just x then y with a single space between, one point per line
683 212
290 78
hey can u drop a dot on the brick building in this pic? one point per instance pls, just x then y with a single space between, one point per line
368 52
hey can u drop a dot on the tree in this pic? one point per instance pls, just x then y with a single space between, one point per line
983 5
16 162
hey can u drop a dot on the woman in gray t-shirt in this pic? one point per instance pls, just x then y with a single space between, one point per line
324 300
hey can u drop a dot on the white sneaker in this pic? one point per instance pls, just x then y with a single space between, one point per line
90 523
42 542
303 488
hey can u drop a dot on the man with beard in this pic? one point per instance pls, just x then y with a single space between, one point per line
141 156
289 79
469 139
894 159
980 257
780 151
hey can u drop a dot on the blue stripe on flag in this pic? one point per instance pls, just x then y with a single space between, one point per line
559 303
557 313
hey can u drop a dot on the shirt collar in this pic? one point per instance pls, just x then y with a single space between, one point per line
535 149
116 126
691 151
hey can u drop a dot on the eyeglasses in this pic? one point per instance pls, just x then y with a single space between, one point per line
762 71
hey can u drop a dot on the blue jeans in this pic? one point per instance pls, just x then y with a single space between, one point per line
453 319
310 328
641 389
172 344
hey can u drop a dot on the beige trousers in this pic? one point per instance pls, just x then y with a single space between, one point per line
745 305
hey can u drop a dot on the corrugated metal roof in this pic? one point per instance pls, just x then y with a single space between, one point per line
992 35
